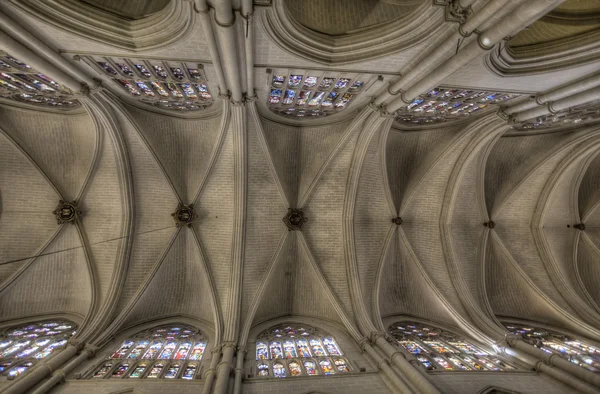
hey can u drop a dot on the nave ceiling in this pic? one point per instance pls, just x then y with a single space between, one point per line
488 210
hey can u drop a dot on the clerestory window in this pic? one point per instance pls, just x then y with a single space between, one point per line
23 346
298 350
166 352
439 350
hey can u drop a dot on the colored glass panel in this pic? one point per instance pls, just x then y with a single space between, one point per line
168 350
316 100
344 100
310 82
125 69
426 363
488 364
303 97
279 370
332 347
456 361
177 73
197 351
17 62
326 83
502 364
16 346
139 348
342 83
326 367
275 348
465 347
311 367
5 365
294 81
303 348
120 371
183 350
123 349
187 89
153 350
439 347
262 352
15 81
263 369
174 91
160 71
138 371
159 89
412 347
288 98
583 347
278 81
190 371
144 88
471 361
329 99
356 86
275 96
16 371
294 368
443 363
4 344
155 371
317 349
143 70
341 365
128 87
195 73
172 371
289 349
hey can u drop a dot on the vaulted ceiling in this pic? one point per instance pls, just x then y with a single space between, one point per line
129 165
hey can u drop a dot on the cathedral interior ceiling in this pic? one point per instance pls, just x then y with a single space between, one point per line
488 197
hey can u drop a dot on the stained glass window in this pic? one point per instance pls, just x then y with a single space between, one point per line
21 347
579 352
168 85
439 350
295 350
20 82
313 94
578 115
444 105
169 352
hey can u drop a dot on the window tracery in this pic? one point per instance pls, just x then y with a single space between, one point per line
578 115
22 346
313 94
576 351
168 85
439 350
166 352
21 82
442 105
298 350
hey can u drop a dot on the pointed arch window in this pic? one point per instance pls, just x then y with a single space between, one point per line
21 82
439 350
298 350
575 350
165 352
22 346
169 85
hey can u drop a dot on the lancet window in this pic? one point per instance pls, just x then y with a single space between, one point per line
21 82
313 93
439 350
298 350
166 352
165 84
579 115
21 347
444 105
576 351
